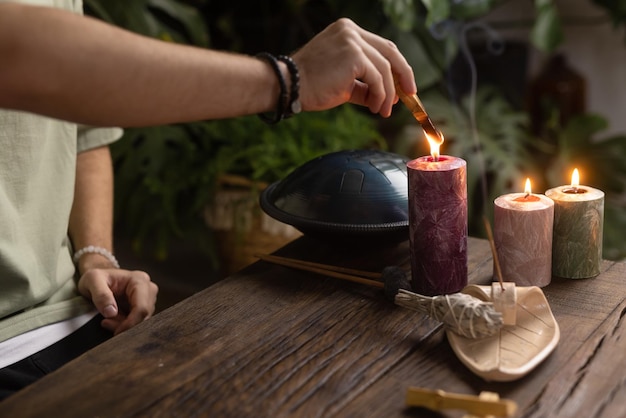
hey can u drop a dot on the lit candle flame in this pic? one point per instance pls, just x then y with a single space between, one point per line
435 143
527 187
527 196
575 179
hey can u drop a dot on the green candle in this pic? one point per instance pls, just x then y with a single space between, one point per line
578 223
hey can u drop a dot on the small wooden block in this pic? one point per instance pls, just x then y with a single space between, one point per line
504 298
486 405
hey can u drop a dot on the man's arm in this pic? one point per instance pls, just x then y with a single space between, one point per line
77 68
123 297
91 219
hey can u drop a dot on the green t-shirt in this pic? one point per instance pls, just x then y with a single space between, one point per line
37 171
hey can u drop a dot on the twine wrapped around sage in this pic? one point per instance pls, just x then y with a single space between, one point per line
461 313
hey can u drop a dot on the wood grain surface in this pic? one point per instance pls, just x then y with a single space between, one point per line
275 342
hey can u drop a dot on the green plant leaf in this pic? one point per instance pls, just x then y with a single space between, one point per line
471 9
427 71
547 33
613 247
163 19
438 11
579 132
96 8
402 13
187 17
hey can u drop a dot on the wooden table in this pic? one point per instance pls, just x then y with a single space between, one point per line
275 342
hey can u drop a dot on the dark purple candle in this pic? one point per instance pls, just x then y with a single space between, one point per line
438 224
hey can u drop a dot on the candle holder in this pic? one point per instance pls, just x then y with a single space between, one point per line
438 224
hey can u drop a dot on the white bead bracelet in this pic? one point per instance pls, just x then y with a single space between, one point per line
91 249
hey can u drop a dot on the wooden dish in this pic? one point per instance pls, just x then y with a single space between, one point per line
516 349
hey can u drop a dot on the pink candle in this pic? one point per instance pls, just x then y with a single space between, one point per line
523 237
438 224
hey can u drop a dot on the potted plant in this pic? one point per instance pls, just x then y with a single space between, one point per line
169 178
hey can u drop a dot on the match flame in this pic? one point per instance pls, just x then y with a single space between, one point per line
527 187
435 143
575 179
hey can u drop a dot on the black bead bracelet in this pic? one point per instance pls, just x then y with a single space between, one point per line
294 106
282 98
288 103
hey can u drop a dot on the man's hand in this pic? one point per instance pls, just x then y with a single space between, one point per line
345 62
125 298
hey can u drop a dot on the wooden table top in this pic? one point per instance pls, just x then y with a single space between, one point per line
275 342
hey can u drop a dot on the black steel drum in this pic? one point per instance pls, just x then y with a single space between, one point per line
358 196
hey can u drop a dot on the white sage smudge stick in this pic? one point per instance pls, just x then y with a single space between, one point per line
461 313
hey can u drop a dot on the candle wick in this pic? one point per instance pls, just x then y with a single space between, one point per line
526 195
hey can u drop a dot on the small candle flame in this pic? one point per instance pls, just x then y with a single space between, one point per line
435 143
575 179
575 188
528 196
527 189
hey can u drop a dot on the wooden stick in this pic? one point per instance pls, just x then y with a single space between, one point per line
414 104
328 270
494 252
481 406
361 273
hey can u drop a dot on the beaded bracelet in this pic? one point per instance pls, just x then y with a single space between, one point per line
282 99
91 249
294 106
